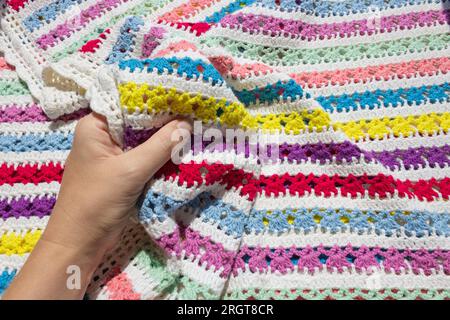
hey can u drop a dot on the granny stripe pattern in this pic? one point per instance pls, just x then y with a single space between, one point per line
353 94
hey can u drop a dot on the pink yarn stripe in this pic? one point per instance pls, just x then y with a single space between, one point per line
86 16
189 244
273 25
4 65
120 287
33 113
187 10
415 68
29 113
422 68
175 47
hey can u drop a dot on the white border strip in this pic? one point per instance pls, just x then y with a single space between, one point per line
348 279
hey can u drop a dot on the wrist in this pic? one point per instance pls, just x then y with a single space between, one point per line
53 271
86 259
79 239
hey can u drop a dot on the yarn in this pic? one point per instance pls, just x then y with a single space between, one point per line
350 99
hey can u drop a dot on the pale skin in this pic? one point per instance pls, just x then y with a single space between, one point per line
99 189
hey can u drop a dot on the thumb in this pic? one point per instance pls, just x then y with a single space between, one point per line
150 156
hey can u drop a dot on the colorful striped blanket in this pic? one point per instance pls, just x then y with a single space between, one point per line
319 163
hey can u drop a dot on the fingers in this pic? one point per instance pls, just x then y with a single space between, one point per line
100 121
150 156
89 122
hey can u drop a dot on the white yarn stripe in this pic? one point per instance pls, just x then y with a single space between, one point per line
392 143
227 157
257 81
12 99
362 203
12 262
33 157
343 238
23 225
23 107
260 38
193 54
29 190
327 135
182 84
282 106
356 168
381 112
349 279
8 75
309 18
38 127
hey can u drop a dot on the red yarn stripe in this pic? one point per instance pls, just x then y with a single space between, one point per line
30 173
380 185
93 45
16 4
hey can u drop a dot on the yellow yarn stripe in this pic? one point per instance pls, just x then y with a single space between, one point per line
143 98
425 124
13 243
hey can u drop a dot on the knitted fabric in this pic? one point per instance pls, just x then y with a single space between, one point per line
353 95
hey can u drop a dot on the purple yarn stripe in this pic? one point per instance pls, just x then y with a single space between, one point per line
269 25
33 113
188 243
25 207
411 158
134 137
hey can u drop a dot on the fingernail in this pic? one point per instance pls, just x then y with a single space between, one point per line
185 124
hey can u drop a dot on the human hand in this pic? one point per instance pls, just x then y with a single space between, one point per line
99 190
101 183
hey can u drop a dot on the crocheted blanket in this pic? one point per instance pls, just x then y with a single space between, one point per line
334 182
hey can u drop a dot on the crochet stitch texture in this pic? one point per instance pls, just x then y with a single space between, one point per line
353 94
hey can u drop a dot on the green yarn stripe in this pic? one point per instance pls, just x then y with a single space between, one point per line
13 87
155 268
179 287
143 9
292 57
340 294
